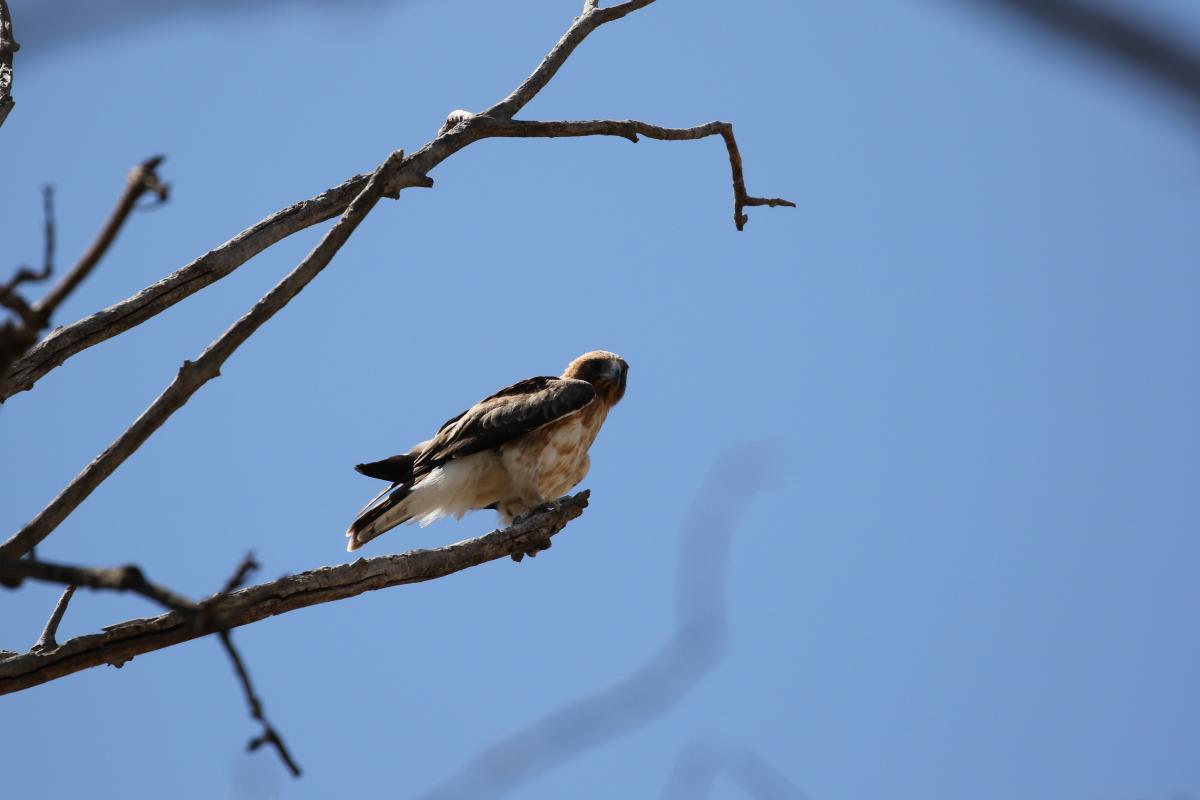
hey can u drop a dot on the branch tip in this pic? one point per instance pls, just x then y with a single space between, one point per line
269 734
47 640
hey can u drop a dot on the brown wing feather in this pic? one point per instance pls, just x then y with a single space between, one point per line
514 410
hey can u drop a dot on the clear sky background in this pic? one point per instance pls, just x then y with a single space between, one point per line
970 355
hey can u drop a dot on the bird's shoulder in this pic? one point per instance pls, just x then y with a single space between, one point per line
514 410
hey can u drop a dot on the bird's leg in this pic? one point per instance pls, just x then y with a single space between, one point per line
534 503
531 498
536 509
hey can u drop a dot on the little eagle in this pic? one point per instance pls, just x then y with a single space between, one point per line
525 445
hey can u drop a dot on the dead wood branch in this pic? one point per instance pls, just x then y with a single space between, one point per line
47 640
119 643
141 181
121 579
130 578
631 129
270 735
19 334
16 339
414 172
194 374
8 46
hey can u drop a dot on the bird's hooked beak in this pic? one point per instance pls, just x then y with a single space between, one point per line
616 369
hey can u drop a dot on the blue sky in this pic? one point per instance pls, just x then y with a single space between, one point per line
970 352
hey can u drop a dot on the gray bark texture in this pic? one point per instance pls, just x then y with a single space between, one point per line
414 172
118 644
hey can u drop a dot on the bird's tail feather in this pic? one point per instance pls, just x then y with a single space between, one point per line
379 516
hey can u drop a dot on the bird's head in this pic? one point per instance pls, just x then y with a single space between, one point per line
604 370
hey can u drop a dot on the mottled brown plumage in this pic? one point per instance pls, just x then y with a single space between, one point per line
513 451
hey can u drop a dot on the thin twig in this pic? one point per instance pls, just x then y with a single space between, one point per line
241 574
631 129
25 274
141 180
15 340
72 339
121 579
269 735
117 644
194 374
558 55
18 305
47 641
10 299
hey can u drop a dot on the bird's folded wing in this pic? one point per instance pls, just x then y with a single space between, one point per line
515 410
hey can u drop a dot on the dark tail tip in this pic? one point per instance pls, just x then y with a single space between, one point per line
397 469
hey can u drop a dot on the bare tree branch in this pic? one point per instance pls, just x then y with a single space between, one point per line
1120 35
414 172
631 129
15 340
18 335
47 641
193 375
121 579
27 274
248 567
590 20
8 46
117 644
269 735
141 180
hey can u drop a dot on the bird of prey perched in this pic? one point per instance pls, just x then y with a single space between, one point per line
513 452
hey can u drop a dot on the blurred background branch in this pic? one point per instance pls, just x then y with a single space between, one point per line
1123 35
701 762
667 676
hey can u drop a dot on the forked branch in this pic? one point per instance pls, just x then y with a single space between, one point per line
117 644
18 336
47 640
141 181
121 579
254 703
631 129
194 374
414 172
